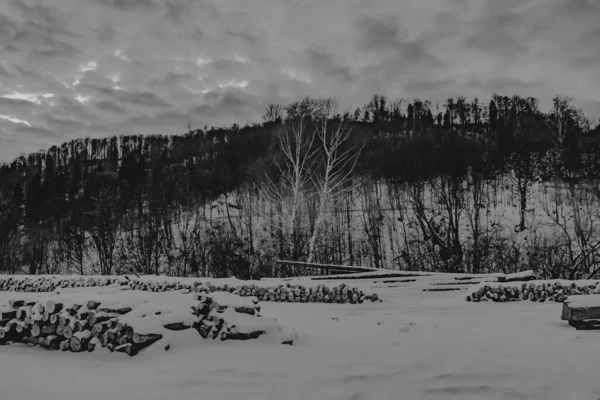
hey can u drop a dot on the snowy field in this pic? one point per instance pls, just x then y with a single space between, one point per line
413 345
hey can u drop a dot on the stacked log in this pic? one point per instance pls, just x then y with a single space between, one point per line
77 327
93 325
288 292
535 291
219 320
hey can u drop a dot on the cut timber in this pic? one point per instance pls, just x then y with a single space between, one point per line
92 305
323 267
8 314
53 342
100 317
53 308
518 277
151 337
580 311
241 335
93 344
120 311
367 276
16 303
35 330
177 326
79 341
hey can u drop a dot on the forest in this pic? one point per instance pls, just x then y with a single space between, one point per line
465 186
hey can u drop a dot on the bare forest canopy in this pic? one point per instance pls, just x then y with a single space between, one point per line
396 184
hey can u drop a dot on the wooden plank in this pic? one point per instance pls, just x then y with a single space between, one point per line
518 277
366 276
582 313
585 325
325 268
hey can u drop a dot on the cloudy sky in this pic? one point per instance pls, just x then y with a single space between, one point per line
74 68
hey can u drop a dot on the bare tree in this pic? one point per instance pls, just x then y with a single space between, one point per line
9 235
339 161
523 172
36 250
274 113
373 217
482 230
295 139
574 211
440 218
142 249
75 244
182 249
106 227
563 118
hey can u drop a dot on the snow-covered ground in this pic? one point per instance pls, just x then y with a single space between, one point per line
413 345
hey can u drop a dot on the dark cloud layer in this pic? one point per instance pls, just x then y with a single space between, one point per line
72 68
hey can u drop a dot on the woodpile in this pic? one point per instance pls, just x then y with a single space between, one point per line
76 327
219 320
95 325
535 291
288 292
582 312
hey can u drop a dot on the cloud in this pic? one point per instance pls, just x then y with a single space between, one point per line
14 120
141 98
9 104
377 33
147 78
111 107
128 5
325 63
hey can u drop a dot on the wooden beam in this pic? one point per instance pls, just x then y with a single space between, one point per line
579 313
326 269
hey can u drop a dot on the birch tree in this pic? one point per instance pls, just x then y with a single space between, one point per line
339 160
295 138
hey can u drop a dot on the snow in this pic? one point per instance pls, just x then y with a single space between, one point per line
580 301
519 275
413 345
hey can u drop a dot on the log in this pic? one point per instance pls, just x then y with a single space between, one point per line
8 314
126 348
100 317
241 335
36 330
79 341
53 342
53 307
120 311
245 310
93 344
16 303
67 332
93 305
177 326
99 328
145 338
83 315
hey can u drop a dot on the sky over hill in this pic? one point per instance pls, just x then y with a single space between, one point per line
74 68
